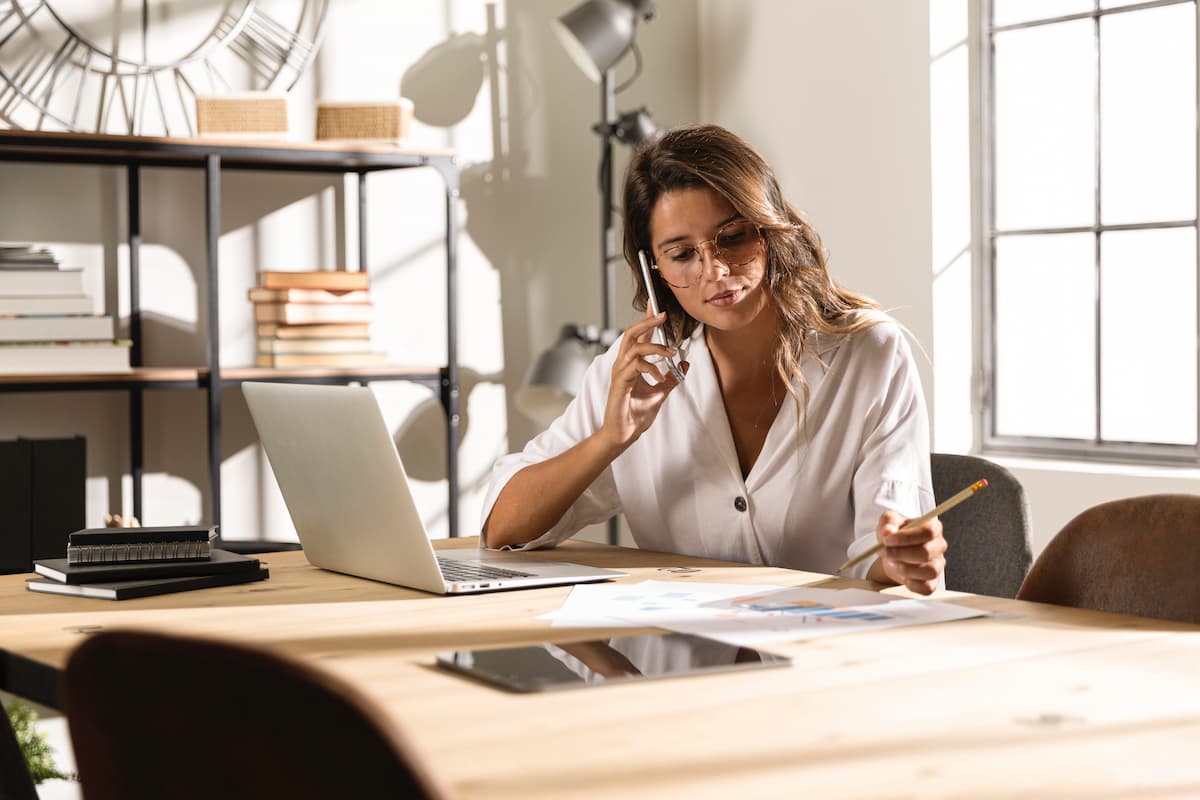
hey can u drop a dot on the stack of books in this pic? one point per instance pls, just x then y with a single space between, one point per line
46 319
123 563
313 319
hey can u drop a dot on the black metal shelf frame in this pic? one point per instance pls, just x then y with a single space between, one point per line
135 153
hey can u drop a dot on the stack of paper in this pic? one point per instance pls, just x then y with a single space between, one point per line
747 615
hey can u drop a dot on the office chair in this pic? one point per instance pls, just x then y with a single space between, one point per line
153 715
15 781
1132 556
987 536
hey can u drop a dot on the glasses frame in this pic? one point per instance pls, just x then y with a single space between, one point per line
716 251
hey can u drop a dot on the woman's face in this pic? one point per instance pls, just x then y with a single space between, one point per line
720 296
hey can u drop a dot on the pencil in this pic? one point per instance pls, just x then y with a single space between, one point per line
917 522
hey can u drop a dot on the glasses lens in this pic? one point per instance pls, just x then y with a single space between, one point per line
737 243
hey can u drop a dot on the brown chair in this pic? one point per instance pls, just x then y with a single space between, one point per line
156 716
1134 556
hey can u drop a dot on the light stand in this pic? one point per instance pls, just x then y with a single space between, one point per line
597 34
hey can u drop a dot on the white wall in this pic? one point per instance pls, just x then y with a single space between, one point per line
835 93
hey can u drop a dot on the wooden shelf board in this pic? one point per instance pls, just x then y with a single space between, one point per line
238 374
135 376
234 153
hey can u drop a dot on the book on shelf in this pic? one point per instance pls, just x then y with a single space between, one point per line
26 256
43 282
320 359
304 313
332 330
281 346
45 304
260 295
220 561
329 280
57 328
147 587
17 358
138 545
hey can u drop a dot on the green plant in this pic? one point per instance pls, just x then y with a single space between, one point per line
37 751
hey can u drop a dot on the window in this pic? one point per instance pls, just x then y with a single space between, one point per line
1089 243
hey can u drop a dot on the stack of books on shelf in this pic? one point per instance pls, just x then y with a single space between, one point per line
313 319
123 563
46 319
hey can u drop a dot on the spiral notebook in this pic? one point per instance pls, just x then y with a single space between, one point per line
138 545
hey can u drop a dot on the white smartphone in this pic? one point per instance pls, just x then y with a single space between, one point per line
652 301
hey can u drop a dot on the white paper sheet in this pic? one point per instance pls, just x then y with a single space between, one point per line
748 615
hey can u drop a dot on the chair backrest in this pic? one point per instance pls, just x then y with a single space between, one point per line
1137 556
153 715
988 536
15 781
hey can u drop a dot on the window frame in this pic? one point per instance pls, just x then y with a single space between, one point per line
988 439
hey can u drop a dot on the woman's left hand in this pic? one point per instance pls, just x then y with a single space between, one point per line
915 558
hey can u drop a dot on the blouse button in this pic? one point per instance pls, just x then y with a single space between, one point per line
739 503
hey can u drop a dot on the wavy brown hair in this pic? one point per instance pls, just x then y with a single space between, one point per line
804 297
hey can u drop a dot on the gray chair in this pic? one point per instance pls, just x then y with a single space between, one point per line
988 536
1132 556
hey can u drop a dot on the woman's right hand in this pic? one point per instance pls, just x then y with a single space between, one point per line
632 402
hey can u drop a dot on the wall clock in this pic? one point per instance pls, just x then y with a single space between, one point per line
137 66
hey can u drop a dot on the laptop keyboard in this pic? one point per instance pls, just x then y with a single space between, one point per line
454 570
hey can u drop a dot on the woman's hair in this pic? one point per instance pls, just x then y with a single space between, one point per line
805 298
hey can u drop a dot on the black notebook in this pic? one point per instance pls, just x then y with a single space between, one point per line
221 561
127 590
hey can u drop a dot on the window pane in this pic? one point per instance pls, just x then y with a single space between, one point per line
1045 336
1148 115
1045 122
1148 336
1007 12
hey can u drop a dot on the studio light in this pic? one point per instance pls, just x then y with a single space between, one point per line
555 377
634 127
597 33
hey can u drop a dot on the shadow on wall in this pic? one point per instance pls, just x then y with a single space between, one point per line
532 209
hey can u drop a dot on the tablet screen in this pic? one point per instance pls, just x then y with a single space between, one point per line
626 658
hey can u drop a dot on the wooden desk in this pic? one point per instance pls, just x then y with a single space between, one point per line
1033 701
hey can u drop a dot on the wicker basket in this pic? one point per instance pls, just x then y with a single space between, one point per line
386 120
255 115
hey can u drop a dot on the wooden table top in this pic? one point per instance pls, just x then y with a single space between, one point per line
1033 700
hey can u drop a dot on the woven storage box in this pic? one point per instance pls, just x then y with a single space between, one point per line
387 120
256 115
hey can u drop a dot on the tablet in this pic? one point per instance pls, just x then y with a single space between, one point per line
623 659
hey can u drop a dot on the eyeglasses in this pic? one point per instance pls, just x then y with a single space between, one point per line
736 244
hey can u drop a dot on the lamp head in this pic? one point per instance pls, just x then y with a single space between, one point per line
596 33
554 378
634 127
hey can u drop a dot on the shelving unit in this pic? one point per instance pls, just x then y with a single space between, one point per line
137 152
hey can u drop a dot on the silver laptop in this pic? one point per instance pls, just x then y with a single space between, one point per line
349 499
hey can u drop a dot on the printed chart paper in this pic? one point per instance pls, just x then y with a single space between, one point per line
748 615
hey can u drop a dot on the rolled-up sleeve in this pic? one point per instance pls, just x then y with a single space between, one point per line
582 418
893 461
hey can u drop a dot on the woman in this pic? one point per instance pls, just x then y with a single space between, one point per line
722 465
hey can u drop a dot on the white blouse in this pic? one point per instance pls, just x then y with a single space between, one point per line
815 493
